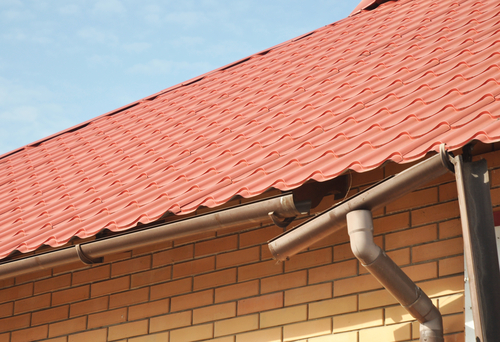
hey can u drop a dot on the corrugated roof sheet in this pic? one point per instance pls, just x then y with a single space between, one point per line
388 84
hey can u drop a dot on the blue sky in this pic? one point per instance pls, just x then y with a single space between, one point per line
64 62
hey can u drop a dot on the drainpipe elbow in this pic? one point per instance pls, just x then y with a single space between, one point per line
360 228
432 329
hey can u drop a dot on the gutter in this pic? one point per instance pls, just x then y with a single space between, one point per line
357 211
281 209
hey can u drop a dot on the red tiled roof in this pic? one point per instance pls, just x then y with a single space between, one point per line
388 84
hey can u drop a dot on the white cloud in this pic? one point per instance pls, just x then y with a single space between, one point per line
103 60
94 35
187 18
69 9
108 7
137 47
159 66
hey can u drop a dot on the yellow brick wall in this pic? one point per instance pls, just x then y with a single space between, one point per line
225 287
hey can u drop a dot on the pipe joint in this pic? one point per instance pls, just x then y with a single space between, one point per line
360 229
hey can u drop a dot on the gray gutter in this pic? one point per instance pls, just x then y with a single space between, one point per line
281 209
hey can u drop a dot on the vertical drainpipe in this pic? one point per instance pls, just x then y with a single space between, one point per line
409 295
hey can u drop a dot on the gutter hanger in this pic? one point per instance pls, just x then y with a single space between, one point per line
281 209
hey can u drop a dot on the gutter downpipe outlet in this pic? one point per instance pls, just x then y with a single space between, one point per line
399 285
280 209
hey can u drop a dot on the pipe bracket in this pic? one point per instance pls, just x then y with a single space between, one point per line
282 223
85 258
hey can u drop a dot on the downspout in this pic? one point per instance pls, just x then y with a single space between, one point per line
399 285
281 209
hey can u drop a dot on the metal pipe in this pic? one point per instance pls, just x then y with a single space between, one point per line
277 208
295 240
399 285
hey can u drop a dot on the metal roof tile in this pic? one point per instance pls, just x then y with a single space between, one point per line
392 83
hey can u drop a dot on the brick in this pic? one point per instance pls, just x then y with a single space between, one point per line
364 178
50 315
237 291
106 318
267 335
259 270
192 300
7 283
173 255
259 236
149 309
443 286
397 332
71 295
219 245
343 337
414 199
336 238
239 257
88 306
125 330
31 334
68 268
309 259
157 275
400 256
67 327
236 325
342 252
168 322
110 286
193 267
307 329
453 323
131 266
283 316
411 237
452 304
6 337
58 339
215 279
390 223
214 313
435 213
435 250
6 309
16 292
333 307
117 257
283 281
397 314
223 339
14 322
460 337
52 284
308 294
160 337
129 298
24 278
196 333
171 288
421 271
447 192
92 335
334 271
374 299
91 275
450 228
355 284
32 303
261 303
358 320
